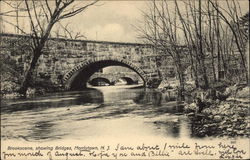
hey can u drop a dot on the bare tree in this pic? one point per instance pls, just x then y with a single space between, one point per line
231 18
66 32
43 15
189 41
161 31
194 33
210 32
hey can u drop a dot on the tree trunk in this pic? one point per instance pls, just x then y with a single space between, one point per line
211 40
218 43
37 52
203 67
181 80
29 75
181 88
186 30
194 70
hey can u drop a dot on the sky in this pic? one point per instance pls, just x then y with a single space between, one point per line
108 20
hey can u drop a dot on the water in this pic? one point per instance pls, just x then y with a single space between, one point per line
104 116
115 112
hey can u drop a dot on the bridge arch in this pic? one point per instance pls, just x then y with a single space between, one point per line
77 77
128 80
99 81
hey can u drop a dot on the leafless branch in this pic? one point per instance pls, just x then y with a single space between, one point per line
74 12
20 29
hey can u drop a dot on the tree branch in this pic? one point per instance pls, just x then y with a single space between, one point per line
74 12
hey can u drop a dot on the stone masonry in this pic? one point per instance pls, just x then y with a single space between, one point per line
73 62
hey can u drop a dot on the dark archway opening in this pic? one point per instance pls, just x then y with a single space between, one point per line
78 81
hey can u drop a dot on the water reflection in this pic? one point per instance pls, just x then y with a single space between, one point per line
105 111
155 97
53 101
159 105
171 127
149 97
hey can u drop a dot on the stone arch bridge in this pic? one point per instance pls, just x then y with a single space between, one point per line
78 77
73 62
113 78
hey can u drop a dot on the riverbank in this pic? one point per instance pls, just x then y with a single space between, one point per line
222 118
31 92
220 111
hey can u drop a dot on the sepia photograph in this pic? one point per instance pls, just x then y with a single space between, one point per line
124 79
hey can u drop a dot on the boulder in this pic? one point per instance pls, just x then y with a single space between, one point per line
191 107
217 118
231 90
243 93
31 91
